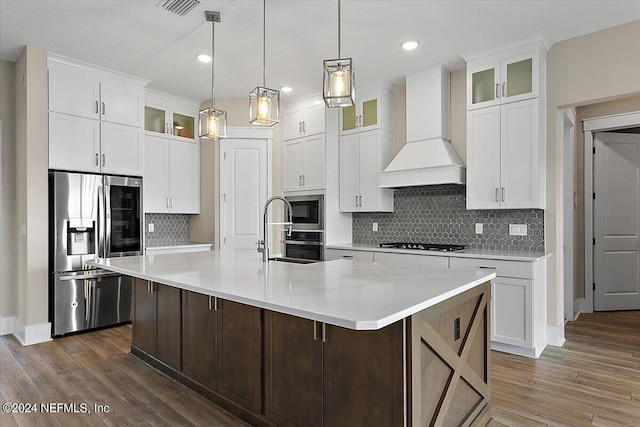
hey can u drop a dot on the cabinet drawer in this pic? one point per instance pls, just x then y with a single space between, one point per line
410 259
520 269
331 254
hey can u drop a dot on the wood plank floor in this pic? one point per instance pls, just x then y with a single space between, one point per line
594 380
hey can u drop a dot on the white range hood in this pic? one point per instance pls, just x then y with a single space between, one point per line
428 158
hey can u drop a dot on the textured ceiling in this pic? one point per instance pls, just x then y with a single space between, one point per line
138 37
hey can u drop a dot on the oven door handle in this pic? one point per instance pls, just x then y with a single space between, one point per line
302 242
88 276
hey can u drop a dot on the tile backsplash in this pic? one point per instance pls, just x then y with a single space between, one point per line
169 230
438 214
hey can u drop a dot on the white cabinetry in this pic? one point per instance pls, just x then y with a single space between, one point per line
506 130
363 156
373 110
304 163
332 254
417 260
172 156
95 119
304 145
518 303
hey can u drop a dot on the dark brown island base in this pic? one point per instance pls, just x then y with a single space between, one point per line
272 369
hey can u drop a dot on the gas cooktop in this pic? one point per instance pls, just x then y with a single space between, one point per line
424 246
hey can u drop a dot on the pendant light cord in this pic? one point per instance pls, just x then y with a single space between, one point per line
213 63
339 30
264 43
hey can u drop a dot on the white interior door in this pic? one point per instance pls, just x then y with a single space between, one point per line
243 190
617 221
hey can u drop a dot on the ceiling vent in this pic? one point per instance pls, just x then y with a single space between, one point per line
179 7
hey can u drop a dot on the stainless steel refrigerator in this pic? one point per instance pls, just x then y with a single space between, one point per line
91 216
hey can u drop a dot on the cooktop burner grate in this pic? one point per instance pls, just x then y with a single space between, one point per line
424 246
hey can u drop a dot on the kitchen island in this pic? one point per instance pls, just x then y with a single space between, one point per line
334 343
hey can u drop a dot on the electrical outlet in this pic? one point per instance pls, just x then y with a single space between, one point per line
479 228
151 228
517 229
375 226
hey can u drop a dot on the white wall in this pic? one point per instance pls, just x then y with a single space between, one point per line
593 68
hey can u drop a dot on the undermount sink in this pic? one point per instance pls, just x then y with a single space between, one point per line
293 260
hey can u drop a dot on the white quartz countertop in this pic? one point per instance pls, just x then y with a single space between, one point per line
351 294
466 253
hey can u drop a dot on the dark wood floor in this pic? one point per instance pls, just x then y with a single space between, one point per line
594 380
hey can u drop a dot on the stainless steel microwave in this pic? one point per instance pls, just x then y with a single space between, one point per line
308 212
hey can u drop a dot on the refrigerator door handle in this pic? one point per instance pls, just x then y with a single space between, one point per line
101 226
107 219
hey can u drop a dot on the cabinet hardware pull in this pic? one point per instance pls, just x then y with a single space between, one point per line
103 109
304 180
315 331
300 180
503 194
497 200
356 201
171 202
304 126
104 159
300 127
97 159
324 332
497 90
503 89
167 203
487 268
347 256
213 303
97 108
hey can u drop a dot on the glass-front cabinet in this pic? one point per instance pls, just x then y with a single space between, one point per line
169 117
494 80
370 112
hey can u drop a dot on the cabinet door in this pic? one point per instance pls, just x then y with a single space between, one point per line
293 165
483 83
144 317
239 361
184 177
74 143
122 102
293 117
369 171
169 348
511 311
349 173
483 158
313 122
121 149
293 371
184 125
520 77
369 103
313 177
332 254
74 91
199 338
156 174
355 394
349 115
155 119
412 259
520 155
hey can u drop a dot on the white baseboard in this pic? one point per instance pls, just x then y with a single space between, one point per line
7 325
584 306
555 335
533 353
32 334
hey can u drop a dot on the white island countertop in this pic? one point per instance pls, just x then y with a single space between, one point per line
351 294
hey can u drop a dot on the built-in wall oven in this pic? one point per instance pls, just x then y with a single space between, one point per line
306 241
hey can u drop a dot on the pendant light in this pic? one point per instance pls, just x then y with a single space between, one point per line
213 122
264 103
338 79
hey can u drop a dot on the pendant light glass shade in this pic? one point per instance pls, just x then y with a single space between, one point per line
339 83
338 80
213 122
264 103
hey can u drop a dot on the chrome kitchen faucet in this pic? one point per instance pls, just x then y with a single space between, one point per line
263 245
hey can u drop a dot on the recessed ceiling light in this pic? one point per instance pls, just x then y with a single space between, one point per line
410 45
285 89
203 58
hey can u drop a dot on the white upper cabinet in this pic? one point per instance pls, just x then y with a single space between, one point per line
373 110
172 155
506 134
505 77
304 145
172 116
362 156
95 119
304 118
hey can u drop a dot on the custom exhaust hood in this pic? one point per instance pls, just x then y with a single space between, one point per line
428 158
